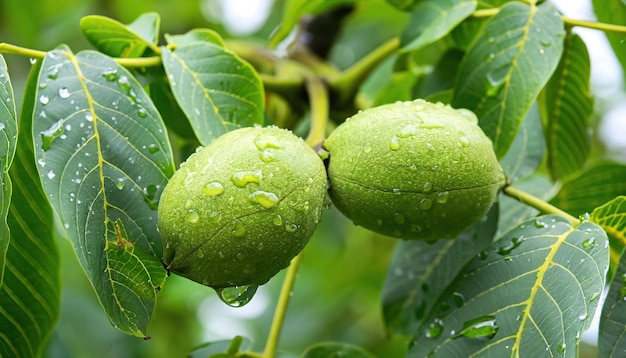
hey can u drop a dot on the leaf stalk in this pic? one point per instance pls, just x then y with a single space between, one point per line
538 203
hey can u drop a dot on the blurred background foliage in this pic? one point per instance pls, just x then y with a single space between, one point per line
337 292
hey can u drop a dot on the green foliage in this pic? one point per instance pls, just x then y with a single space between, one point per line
103 158
30 293
100 133
217 90
505 68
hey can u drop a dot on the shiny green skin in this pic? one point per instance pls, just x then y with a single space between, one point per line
413 170
234 236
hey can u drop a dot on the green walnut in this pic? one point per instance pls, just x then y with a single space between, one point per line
238 210
413 170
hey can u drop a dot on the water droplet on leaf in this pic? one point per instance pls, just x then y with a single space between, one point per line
64 92
434 329
51 134
264 198
236 296
589 243
481 327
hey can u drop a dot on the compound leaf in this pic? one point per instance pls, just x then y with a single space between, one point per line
30 294
506 68
567 106
104 157
216 89
531 293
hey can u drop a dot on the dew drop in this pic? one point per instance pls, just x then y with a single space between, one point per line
213 188
428 186
442 197
408 131
199 254
589 243
399 218
464 141
215 216
141 112
192 217
561 348
265 141
236 296
434 329
394 145
153 148
242 178
367 148
43 99
64 92
481 327
278 220
51 134
515 243
110 74
267 155
120 183
239 230
459 299
291 227
149 196
124 84
264 198
50 174
540 224
426 204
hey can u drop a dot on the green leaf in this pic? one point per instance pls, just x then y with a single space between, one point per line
8 143
612 218
531 294
118 40
505 69
611 342
595 186
420 271
335 350
104 157
294 10
173 116
527 149
30 295
216 89
567 107
613 12
433 19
